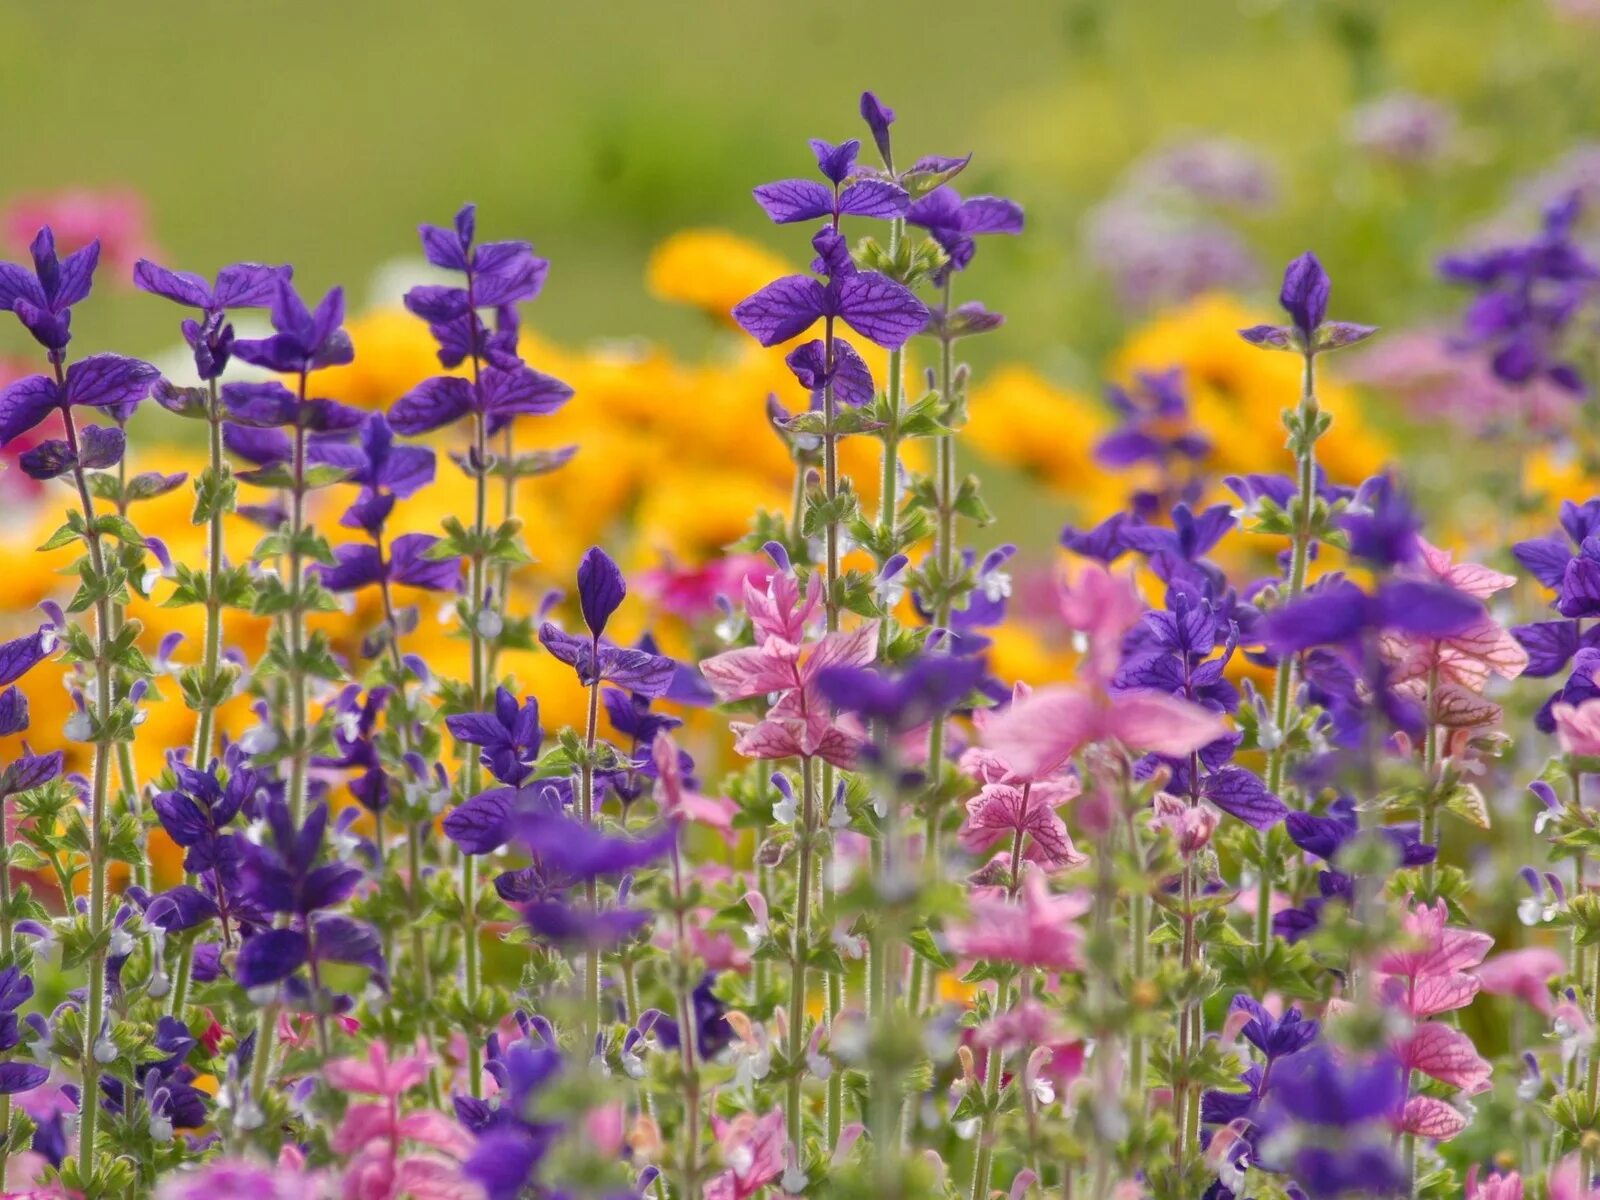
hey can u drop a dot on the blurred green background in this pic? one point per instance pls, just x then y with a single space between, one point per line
321 134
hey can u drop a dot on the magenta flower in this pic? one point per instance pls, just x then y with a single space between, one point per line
753 1147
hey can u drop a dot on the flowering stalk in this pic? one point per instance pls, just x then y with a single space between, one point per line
101 587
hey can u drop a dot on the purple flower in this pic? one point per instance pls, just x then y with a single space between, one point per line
1339 612
1304 296
284 875
356 719
508 738
791 200
878 116
99 381
954 223
1529 295
594 660
269 405
408 564
875 306
1275 1037
42 298
918 691
243 285
1381 525
500 397
305 340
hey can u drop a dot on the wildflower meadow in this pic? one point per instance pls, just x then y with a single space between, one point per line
846 759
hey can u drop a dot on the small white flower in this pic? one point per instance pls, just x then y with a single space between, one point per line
250 1117
260 739
783 811
996 586
489 623
121 943
264 994
105 1050
78 727
793 1181
160 1129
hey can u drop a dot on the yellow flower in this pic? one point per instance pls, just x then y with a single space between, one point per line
1238 391
711 269
1021 420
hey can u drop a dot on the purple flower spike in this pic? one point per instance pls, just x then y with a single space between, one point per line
600 589
43 298
306 340
243 285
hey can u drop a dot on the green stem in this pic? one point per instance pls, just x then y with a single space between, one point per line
1283 684
799 951
100 787
591 958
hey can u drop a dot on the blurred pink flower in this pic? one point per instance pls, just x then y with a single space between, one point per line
1191 825
1435 382
691 592
1578 727
753 1152
1525 974
1034 930
77 216
1495 1187
678 801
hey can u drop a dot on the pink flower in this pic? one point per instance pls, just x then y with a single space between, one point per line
1460 665
372 1136
1002 812
799 724
1035 930
1578 727
1102 606
1042 732
1431 977
1444 1053
1525 974
1566 1181
1496 1187
691 592
77 216
239 1179
1191 825
678 801
1431 1117
753 1152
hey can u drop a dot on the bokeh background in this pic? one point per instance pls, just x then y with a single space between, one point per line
1170 155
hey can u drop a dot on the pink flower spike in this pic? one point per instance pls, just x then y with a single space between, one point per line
1524 974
